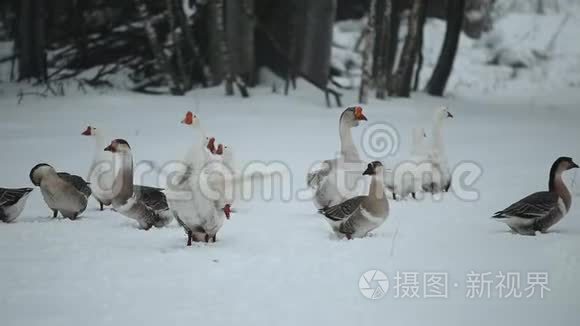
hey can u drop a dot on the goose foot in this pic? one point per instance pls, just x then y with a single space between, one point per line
349 236
189 236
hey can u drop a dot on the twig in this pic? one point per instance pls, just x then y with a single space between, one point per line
395 238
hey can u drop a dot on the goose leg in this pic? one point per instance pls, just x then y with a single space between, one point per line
214 238
349 236
414 195
101 205
189 236
207 238
54 213
394 196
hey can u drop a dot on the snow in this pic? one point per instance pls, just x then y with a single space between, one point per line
276 261
543 44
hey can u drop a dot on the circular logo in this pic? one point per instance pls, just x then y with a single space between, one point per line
380 140
373 284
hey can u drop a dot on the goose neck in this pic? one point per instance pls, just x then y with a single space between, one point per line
557 185
123 183
347 148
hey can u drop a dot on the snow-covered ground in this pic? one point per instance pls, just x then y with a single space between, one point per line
276 262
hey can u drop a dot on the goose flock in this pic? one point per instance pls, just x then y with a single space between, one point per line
350 211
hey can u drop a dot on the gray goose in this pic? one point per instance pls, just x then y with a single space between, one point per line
356 217
12 203
147 205
62 192
323 180
541 210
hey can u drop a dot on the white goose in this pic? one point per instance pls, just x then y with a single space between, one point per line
323 180
147 205
405 179
101 173
192 199
439 180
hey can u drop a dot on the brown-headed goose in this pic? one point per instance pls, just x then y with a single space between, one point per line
323 180
101 173
12 203
439 178
356 217
62 192
541 210
147 205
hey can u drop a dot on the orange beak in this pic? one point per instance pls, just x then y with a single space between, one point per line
109 148
188 120
358 114
87 132
211 145
220 149
227 211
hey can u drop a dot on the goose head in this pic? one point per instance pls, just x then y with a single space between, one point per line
220 149
443 113
90 131
227 210
564 163
39 171
374 168
352 116
210 144
190 119
118 146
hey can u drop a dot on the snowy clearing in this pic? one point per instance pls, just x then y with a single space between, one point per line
277 262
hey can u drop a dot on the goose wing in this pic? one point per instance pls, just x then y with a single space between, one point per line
9 197
78 182
314 178
152 197
536 205
343 210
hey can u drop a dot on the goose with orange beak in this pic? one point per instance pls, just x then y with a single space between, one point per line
324 178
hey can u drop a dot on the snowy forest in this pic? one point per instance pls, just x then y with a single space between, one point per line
268 162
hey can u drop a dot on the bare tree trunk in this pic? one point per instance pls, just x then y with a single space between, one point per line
31 40
393 45
540 7
190 41
404 73
366 78
240 38
420 52
223 46
384 37
182 68
442 71
161 61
